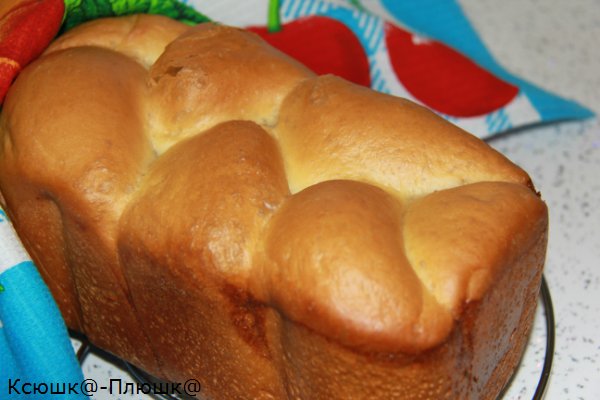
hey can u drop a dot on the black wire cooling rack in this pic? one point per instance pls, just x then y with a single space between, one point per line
142 377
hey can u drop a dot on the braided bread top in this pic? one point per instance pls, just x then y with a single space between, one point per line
363 216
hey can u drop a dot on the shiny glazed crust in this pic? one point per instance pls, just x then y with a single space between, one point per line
204 206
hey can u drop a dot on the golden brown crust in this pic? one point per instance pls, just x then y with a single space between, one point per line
84 172
142 38
231 74
324 140
210 196
215 211
474 362
458 239
338 266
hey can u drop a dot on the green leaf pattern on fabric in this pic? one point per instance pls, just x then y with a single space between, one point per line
80 11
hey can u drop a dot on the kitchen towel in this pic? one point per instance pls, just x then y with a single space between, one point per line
426 51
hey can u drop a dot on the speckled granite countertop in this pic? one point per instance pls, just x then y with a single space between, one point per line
552 43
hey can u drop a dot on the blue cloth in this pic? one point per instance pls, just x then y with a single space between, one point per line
34 345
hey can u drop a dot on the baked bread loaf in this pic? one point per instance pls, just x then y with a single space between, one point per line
206 207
